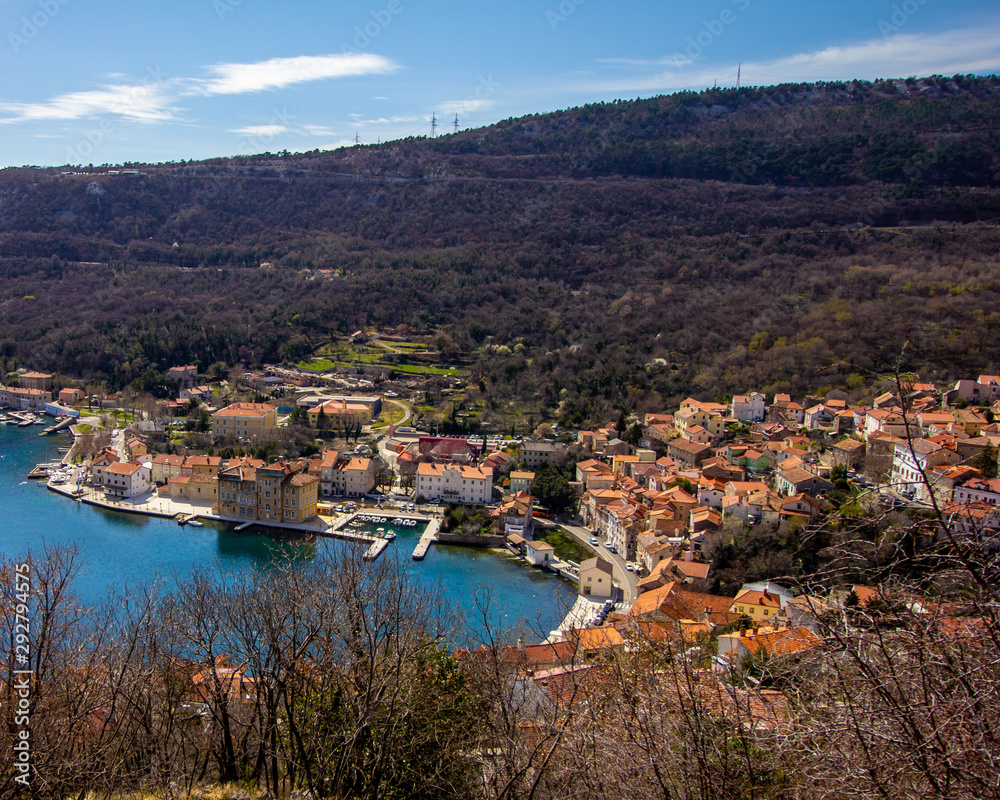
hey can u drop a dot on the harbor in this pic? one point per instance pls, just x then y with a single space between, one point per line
119 549
189 514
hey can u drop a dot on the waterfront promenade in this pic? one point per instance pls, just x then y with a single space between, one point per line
153 505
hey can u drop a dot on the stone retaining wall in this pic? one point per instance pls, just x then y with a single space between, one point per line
471 541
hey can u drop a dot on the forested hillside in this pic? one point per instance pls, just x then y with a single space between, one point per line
612 255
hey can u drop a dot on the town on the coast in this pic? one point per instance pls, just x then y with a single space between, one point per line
637 513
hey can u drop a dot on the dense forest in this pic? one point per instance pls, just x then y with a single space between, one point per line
618 255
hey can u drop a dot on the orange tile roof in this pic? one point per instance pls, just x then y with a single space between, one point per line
598 638
751 597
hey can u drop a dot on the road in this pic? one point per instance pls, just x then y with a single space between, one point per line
407 411
628 581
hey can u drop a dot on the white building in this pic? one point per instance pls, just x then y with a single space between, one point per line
979 490
596 578
539 553
749 407
127 479
455 483
909 461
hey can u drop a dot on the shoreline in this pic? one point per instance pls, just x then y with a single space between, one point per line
178 510
191 511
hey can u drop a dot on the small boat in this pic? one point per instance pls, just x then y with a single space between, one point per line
195 524
381 532
397 521
389 536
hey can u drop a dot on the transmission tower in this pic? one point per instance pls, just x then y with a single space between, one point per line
434 125
456 123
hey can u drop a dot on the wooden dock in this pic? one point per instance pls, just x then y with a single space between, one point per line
184 519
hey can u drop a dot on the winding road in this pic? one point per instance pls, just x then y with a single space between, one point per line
628 581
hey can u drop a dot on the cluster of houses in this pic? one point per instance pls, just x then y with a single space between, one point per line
764 463
237 488
764 626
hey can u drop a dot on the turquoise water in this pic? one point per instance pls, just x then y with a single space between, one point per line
125 549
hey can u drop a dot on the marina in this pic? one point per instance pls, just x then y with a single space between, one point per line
118 549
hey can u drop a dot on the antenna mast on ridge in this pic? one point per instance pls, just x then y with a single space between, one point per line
739 69
434 124
357 137
456 123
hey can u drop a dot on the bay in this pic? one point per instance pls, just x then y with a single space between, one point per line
119 549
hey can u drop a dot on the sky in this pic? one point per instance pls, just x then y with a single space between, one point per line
116 81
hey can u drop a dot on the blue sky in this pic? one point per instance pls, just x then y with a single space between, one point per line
109 81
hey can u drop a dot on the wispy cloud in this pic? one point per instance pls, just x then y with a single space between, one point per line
465 106
945 53
386 120
260 130
138 102
155 100
338 144
277 73
318 130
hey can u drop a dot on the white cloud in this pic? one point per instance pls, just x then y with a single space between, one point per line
277 73
386 120
465 106
318 130
339 144
139 102
260 130
152 101
898 56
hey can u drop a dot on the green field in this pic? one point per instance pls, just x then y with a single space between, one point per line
391 414
378 354
567 547
317 364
